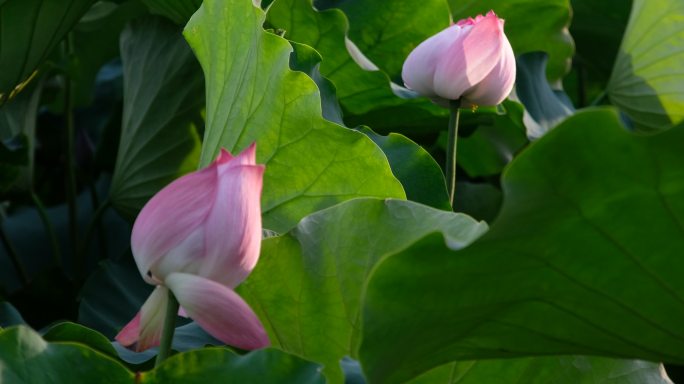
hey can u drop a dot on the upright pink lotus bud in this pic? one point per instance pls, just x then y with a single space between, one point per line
471 60
200 237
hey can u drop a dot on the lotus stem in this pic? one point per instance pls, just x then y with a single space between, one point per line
454 108
169 329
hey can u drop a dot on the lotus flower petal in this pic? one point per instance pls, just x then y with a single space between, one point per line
471 61
218 310
145 330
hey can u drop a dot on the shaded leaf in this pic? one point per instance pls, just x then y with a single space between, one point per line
313 311
544 107
305 59
179 11
27 358
263 366
9 315
31 29
67 331
647 81
163 98
583 259
498 136
96 41
417 171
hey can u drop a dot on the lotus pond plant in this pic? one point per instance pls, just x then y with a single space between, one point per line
145 239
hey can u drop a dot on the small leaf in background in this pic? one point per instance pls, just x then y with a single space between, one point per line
208 365
387 32
113 295
530 26
367 97
27 358
586 240
313 310
163 99
305 59
497 138
71 332
597 28
647 81
417 171
36 26
544 107
96 42
9 315
252 95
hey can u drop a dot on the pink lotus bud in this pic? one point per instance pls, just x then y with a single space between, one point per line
200 237
471 60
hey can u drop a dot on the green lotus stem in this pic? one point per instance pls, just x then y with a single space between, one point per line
169 329
94 224
49 229
71 161
454 108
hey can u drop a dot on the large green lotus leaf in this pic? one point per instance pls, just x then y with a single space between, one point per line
360 90
647 81
545 370
177 10
225 366
308 283
386 32
27 358
252 95
531 25
163 99
29 31
584 258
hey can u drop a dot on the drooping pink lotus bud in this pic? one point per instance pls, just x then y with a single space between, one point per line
200 237
471 60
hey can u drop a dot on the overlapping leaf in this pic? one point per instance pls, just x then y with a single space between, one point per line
583 259
252 95
365 94
308 284
163 99
31 29
27 358
387 32
647 81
